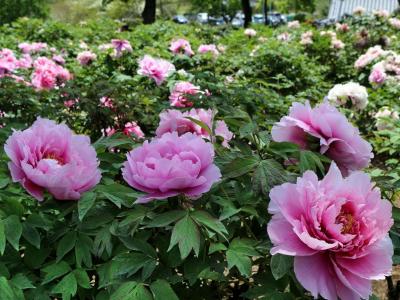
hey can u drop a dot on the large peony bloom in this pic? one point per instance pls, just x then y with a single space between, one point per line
48 74
170 166
157 69
337 230
49 156
181 46
176 121
86 57
335 136
340 94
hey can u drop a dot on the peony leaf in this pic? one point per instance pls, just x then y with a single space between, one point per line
85 204
162 290
280 265
186 234
13 231
67 287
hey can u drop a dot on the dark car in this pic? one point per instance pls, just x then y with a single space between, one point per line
180 19
216 21
324 22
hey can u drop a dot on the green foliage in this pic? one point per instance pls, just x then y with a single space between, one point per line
11 10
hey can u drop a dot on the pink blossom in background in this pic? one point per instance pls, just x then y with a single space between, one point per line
371 54
171 165
121 46
334 136
32 48
378 75
133 127
59 59
337 44
209 49
336 229
359 10
182 89
181 46
109 131
395 22
342 27
49 156
250 32
47 74
157 69
70 103
104 47
293 24
382 13
107 102
176 121
306 38
8 62
383 117
283 37
86 57
25 62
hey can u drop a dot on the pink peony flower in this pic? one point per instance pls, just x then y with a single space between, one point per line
359 10
157 69
49 156
306 38
334 135
59 59
107 102
48 74
25 62
378 75
372 54
32 48
337 44
109 131
175 121
337 231
86 57
182 89
283 37
181 46
171 165
342 27
382 13
250 32
121 46
293 24
133 127
209 49
8 62
70 103
395 22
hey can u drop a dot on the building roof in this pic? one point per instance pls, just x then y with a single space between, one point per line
340 7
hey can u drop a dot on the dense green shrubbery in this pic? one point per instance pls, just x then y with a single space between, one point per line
107 247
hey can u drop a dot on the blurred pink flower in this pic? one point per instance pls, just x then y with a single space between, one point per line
121 46
182 89
333 134
171 165
378 75
133 127
250 32
47 74
181 46
49 156
107 102
337 231
86 57
32 48
209 49
371 54
25 62
59 59
157 69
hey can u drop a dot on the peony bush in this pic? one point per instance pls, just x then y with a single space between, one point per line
180 162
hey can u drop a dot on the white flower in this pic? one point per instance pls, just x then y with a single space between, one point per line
352 91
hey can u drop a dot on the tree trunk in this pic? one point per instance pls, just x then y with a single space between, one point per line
266 12
149 12
247 12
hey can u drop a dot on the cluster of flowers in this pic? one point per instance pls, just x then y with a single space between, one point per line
306 38
384 118
47 73
395 22
335 42
386 67
182 46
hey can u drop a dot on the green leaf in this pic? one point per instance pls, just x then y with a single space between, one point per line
2 237
22 282
310 161
6 291
280 265
13 230
85 204
207 220
201 124
242 262
82 250
186 234
119 194
125 291
66 244
31 234
141 293
67 287
240 166
162 290
55 270
268 174
82 278
215 247
166 218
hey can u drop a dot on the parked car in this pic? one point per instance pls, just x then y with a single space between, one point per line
216 21
202 18
258 19
180 19
324 22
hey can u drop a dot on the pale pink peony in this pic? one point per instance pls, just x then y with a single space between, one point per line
49 156
175 121
120 46
337 231
8 62
342 27
171 165
32 48
157 69
107 102
382 13
283 37
378 75
47 74
181 46
250 32
371 54
133 128
334 135
359 10
203 49
293 24
25 62
109 131
86 57
59 59
306 38
181 90
395 22
337 44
